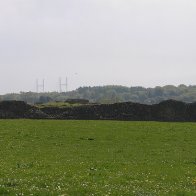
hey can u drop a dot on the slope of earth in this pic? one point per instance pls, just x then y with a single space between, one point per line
169 110
19 109
50 157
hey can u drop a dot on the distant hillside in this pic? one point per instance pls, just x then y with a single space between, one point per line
111 94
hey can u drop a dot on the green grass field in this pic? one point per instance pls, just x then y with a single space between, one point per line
97 158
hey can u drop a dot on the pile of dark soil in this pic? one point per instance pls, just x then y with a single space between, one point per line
165 111
19 109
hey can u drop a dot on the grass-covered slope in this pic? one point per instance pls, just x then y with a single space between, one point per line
97 158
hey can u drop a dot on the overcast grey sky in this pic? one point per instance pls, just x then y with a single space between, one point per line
96 42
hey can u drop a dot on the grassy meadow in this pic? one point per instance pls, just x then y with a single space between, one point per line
50 157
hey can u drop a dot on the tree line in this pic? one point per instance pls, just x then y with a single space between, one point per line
111 94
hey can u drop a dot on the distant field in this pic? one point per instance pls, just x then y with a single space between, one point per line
97 158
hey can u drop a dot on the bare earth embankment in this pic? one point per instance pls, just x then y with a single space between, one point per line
165 111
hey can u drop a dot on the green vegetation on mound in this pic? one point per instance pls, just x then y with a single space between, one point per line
57 104
97 158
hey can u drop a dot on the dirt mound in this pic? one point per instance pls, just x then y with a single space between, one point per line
170 110
165 111
19 109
